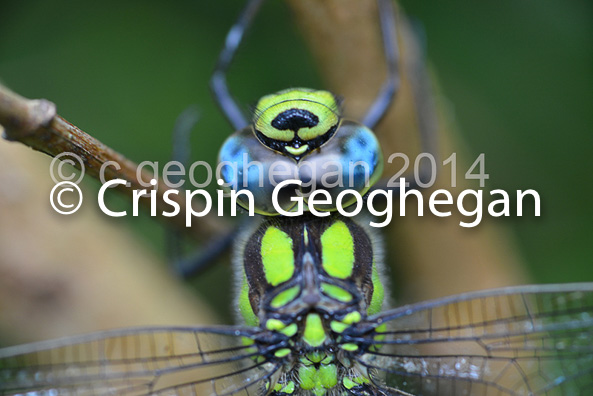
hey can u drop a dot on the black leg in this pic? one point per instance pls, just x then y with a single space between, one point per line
391 85
374 114
188 266
422 92
186 121
203 259
181 153
218 82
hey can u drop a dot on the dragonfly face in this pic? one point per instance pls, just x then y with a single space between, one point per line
296 121
300 134
311 279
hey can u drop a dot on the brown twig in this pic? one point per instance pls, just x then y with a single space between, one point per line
36 124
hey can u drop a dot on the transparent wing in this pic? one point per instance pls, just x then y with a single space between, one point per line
529 340
168 361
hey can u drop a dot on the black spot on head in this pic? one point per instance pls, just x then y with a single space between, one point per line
295 119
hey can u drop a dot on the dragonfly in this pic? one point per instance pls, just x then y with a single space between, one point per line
311 294
311 297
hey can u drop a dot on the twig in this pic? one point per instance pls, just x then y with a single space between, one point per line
36 124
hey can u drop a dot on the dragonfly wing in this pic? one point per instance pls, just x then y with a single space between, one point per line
168 361
530 340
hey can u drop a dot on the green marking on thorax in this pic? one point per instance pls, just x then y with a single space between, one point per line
313 357
348 383
337 247
314 334
336 292
280 353
351 382
318 380
278 325
378 293
352 317
245 305
351 347
275 324
338 327
349 319
290 330
380 337
277 256
285 297
289 387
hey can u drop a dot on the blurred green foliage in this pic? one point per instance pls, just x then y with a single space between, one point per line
517 76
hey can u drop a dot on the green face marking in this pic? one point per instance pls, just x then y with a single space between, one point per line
277 256
337 250
295 121
297 151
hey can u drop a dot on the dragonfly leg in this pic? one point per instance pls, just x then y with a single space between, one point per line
181 153
390 48
187 266
218 82
201 260
423 97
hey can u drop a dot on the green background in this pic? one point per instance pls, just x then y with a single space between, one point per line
516 75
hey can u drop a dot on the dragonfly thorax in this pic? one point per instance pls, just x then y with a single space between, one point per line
310 280
307 264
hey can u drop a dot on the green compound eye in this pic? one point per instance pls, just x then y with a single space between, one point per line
296 121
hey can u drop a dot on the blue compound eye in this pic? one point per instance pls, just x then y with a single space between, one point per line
351 159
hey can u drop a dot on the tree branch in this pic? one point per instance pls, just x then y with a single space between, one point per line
35 123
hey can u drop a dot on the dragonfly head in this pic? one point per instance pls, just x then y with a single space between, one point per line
296 121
